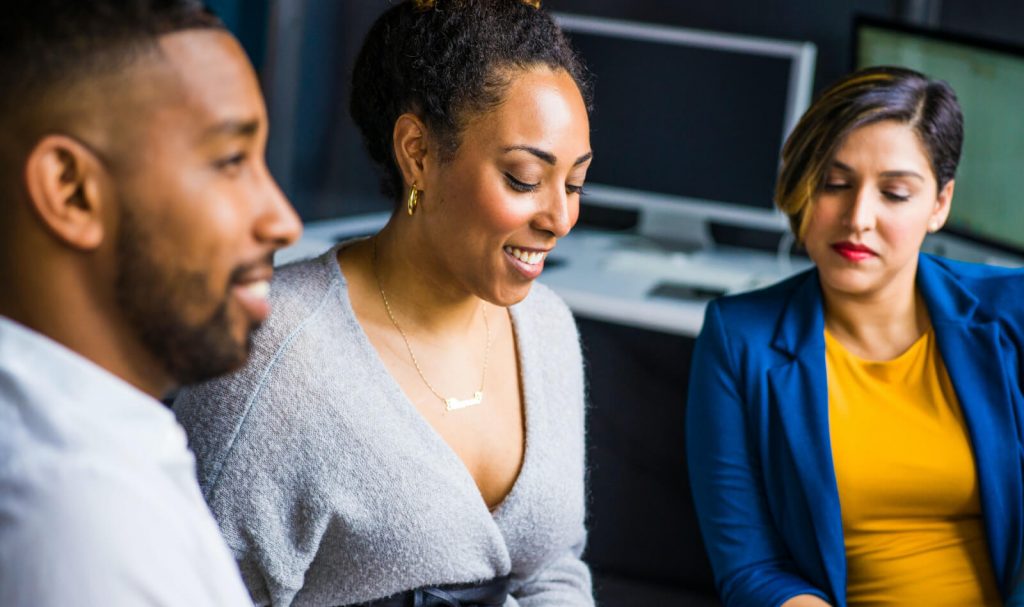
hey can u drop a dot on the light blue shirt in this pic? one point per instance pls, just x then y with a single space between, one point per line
99 503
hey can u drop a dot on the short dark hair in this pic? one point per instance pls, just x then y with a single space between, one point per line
445 61
868 96
48 46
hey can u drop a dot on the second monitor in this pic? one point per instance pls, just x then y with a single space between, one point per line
689 121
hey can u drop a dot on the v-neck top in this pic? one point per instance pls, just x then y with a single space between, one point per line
332 489
908 489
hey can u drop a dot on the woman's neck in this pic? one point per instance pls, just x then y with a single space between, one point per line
416 286
879 326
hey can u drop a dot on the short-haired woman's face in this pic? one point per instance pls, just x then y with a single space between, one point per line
878 202
512 189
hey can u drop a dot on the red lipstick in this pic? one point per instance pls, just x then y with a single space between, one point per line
853 252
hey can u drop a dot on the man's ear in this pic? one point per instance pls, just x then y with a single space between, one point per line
63 180
409 140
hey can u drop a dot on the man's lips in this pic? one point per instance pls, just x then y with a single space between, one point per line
853 251
250 286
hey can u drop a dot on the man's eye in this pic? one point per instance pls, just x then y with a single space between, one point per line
230 162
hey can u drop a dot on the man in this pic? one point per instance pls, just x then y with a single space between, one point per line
137 226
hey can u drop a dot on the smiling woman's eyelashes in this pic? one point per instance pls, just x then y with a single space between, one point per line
519 185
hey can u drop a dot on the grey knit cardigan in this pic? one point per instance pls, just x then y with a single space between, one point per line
331 489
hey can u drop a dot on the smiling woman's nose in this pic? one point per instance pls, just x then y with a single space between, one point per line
557 215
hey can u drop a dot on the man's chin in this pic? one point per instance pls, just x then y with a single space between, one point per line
197 354
217 361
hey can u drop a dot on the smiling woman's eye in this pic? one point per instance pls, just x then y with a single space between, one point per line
574 189
520 186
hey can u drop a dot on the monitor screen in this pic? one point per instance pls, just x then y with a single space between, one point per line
989 82
687 115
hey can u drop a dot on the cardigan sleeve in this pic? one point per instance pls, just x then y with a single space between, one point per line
749 557
255 502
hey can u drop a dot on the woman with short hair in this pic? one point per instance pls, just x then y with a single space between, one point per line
854 431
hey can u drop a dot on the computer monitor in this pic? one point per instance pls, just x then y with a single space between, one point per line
988 204
689 120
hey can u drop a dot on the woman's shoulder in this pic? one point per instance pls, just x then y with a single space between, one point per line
300 286
762 307
543 306
997 290
544 325
284 357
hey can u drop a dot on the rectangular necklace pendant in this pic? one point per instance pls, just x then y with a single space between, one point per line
452 404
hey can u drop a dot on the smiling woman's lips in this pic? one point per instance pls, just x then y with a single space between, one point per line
529 263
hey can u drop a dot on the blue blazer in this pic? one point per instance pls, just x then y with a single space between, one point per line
757 432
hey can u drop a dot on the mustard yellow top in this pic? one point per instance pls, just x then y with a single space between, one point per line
908 490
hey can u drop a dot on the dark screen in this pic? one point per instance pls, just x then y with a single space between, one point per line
685 121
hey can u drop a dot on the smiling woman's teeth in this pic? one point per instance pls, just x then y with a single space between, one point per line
526 256
260 288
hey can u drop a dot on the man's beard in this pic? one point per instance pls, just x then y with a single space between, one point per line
154 298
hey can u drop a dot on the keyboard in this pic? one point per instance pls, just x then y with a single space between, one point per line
695 271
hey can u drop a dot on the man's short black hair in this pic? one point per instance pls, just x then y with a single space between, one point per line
50 47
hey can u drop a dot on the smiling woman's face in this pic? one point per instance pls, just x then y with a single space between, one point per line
512 188
879 200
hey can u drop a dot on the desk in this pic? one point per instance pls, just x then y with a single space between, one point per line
610 276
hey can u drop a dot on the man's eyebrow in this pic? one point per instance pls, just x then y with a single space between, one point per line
233 128
547 157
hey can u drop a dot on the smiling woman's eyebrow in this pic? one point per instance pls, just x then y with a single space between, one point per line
887 174
547 157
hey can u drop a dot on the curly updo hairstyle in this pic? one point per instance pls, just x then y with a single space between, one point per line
446 61
875 94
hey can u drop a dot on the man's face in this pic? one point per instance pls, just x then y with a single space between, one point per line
199 216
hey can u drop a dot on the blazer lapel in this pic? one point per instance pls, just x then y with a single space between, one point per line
971 352
799 390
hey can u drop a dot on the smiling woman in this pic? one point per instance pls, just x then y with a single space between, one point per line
411 423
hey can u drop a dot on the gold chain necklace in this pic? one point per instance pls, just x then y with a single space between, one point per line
450 403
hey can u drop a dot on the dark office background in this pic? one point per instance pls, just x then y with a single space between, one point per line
305 48
644 545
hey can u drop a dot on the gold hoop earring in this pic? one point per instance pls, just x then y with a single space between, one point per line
414 199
